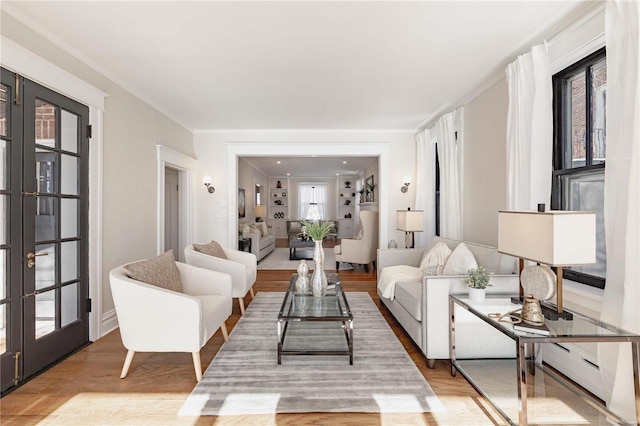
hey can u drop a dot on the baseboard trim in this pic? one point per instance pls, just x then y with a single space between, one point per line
109 322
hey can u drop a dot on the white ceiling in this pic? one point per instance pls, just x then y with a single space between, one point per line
297 64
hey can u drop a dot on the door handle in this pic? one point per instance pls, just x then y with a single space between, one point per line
31 258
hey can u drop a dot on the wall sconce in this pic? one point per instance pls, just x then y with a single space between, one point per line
207 182
407 182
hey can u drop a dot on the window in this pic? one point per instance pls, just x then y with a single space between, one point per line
579 98
309 193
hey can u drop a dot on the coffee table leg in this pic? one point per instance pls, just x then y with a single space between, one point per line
279 341
291 252
351 342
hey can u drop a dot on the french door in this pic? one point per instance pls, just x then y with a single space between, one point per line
44 293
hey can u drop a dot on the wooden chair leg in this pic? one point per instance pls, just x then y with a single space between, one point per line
241 302
253 296
197 365
225 333
127 364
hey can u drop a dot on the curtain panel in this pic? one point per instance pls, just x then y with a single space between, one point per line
426 185
622 200
529 130
450 142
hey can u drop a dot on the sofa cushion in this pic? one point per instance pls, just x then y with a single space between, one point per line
212 249
460 261
435 258
409 295
262 227
160 271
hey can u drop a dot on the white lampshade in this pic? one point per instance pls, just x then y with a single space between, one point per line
409 220
206 180
406 180
556 237
261 211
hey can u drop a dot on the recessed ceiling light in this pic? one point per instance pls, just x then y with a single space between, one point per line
278 161
337 174
288 174
344 162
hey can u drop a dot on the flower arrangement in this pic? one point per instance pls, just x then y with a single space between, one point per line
478 278
317 230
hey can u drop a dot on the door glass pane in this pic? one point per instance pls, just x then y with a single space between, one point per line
68 261
46 223
45 266
4 165
68 218
69 304
69 171
46 176
578 126
4 221
598 111
45 123
45 313
585 192
5 111
4 315
69 131
4 273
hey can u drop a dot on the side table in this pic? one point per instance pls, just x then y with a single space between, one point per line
504 382
244 244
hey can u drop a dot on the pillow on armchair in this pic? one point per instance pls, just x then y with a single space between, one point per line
212 249
160 271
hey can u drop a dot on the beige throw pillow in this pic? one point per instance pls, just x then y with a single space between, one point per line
433 261
160 271
460 261
264 231
212 249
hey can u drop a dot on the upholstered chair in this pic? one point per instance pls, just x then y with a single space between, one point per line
157 319
363 250
242 267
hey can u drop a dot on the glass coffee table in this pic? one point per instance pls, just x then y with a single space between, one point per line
310 325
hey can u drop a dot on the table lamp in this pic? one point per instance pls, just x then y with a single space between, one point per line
409 221
261 211
555 238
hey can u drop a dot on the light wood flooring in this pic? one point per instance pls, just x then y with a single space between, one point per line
86 389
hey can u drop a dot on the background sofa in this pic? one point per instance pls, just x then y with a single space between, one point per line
422 307
263 240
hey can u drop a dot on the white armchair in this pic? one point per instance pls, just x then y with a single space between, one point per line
153 319
242 267
362 251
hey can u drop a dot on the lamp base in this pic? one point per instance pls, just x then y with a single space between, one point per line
548 311
408 240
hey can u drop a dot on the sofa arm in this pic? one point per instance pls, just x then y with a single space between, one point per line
392 257
435 307
255 242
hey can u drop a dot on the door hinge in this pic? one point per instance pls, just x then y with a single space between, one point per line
89 131
16 374
88 305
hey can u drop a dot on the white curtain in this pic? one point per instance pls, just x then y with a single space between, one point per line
529 131
426 186
306 196
450 139
622 199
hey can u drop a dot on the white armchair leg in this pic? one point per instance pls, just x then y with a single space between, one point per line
241 302
127 364
253 296
225 334
197 365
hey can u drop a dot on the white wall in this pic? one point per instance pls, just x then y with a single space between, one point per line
248 177
485 164
132 128
216 151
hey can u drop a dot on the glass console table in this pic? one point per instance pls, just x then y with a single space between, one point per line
506 383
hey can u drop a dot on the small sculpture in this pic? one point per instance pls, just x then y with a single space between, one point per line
279 184
302 283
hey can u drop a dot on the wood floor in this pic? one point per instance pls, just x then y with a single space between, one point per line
86 389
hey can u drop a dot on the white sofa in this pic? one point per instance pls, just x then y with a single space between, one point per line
261 246
422 307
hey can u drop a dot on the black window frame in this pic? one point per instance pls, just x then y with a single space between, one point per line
562 119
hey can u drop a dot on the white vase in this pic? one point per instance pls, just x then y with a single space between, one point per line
476 294
319 278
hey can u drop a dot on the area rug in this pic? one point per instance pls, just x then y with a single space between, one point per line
279 259
244 377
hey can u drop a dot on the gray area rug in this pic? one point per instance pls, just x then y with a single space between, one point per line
244 377
279 260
